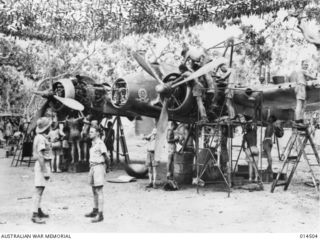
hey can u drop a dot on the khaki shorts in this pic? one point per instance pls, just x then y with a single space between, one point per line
39 180
300 91
57 152
254 152
150 162
97 175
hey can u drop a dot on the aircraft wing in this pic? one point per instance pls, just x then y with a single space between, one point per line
278 100
281 96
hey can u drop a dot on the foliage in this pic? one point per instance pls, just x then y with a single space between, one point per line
109 20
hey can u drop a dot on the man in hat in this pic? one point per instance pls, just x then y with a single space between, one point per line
42 154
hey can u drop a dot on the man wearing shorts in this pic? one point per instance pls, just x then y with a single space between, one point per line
251 150
172 147
151 163
301 77
42 154
97 173
227 77
267 141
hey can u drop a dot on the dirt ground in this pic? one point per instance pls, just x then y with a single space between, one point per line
131 208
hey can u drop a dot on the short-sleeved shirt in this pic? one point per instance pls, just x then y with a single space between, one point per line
301 79
298 77
96 151
41 143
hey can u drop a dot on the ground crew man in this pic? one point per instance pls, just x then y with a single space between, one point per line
97 173
42 154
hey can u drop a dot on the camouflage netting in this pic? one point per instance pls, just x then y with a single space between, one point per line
111 19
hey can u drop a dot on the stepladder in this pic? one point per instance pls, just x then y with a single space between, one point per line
300 138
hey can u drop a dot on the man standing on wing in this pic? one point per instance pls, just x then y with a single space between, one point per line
301 77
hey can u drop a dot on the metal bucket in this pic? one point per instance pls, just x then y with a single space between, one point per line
183 167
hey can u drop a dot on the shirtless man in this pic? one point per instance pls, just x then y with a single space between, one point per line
251 149
172 147
225 75
75 136
198 58
267 142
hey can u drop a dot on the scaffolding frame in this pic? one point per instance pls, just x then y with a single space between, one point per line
229 125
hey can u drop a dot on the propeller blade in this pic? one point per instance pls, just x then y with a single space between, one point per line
39 114
210 66
146 66
161 133
70 103
41 93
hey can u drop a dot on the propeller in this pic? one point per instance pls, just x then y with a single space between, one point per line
161 131
68 102
215 64
164 117
146 66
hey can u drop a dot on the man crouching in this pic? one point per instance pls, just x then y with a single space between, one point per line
97 173
42 154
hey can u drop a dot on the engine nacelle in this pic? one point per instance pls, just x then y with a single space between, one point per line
136 92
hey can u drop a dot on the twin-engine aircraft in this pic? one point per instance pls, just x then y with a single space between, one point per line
155 92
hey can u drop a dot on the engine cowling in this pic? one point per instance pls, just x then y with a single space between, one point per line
136 92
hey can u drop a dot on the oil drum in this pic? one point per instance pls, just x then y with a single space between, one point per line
183 167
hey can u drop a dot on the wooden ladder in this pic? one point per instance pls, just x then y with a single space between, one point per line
301 136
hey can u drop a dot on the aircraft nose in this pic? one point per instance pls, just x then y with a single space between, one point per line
163 89
160 88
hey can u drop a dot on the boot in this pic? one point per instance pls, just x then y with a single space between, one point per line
149 185
93 213
42 214
36 219
98 218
